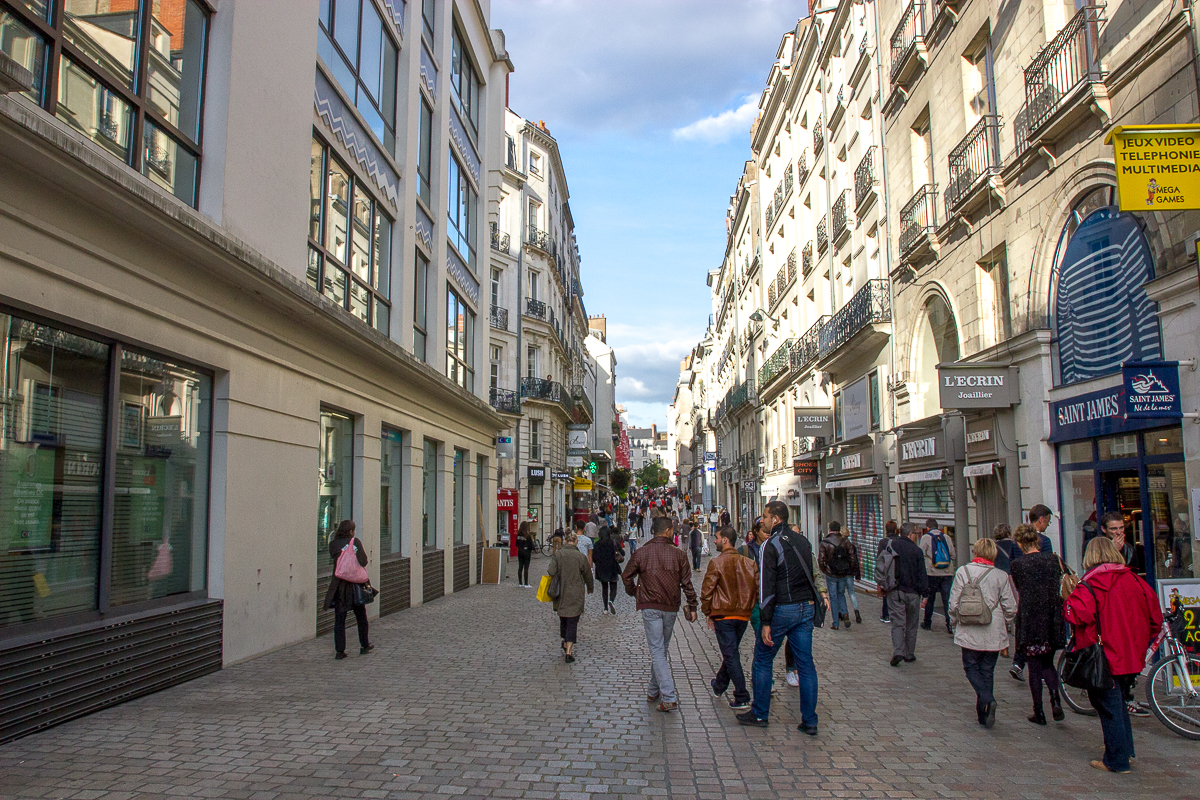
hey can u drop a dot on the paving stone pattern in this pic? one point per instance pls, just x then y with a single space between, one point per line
468 696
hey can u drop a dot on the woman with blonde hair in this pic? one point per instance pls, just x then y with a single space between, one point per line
982 604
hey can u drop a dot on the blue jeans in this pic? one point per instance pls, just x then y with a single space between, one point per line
729 638
1114 721
659 625
795 622
938 584
837 603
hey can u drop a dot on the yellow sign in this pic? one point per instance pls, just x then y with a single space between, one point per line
583 485
1158 166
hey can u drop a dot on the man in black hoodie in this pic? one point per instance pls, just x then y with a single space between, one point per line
904 601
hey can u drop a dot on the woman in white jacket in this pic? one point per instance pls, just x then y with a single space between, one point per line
982 643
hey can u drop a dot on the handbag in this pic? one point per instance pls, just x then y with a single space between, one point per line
1087 667
348 568
818 604
364 593
543 591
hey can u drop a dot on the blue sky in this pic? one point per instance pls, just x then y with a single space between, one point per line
651 102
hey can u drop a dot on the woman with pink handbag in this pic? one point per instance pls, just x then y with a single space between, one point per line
346 587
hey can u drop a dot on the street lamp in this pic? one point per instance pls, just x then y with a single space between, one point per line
759 315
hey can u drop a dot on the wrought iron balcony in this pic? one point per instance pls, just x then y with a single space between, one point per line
870 304
908 42
499 318
918 218
806 349
770 217
822 236
772 295
549 392
973 160
787 181
583 405
791 267
779 197
802 167
818 139
1068 61
807 259
535 308
541 240
864 179
779 362
739 395
841 224
500 241
506 401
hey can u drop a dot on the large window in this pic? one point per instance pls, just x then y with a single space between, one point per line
462 208
427 11
128 75
391 481
349 241
425 155
460 341
535 440
420 308
480 492
460 486
429 495
335 496
464 83
73 410
358 47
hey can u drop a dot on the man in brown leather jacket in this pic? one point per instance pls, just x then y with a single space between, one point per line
727 598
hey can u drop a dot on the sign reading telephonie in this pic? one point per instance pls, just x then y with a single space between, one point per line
816 422
978 386
1152 390
1158 166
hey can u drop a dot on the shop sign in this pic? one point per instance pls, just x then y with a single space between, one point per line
1158 166
975 437
852 461
748 486
919 448
710 456
1183 593
583 485
851 483
804 469
506 500
577 439
574 461
920 477
817 422
537 475
561 476
1152 390
856 409
977 386
981 436
504 447
979 470
1094 414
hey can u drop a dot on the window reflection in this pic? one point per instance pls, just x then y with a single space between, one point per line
94 110
106 36
168 164
23 45
176 63
336 477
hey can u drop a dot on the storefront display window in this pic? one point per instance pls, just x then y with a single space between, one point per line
337 476
480 486
1161 443
391 476
1077 488
1170 523
460 460
1112 447
429 496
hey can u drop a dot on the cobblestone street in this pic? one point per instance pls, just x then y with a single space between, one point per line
469 696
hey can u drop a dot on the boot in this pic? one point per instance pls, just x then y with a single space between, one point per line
1039 716
846 620
1056 709
857 617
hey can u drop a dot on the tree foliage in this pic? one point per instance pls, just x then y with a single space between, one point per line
653 476
619 480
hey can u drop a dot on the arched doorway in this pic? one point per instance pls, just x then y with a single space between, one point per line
936 343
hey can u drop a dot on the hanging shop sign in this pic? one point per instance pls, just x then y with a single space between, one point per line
804 469
1152 390
506 500
537 475
583 485
977 386
709 456
1158 166
504 447
748 486
577 439
856 410
561 476
817 422
573 462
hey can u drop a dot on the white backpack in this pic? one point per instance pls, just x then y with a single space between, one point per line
972 607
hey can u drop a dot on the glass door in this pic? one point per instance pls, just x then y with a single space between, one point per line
1169 534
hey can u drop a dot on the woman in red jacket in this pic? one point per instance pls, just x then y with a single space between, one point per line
1129 619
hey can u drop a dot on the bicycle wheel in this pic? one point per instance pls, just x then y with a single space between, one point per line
1169 698
1076 699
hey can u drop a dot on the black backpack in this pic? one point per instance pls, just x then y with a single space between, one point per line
840 563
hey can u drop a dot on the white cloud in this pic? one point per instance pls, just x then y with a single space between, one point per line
643 415
720 128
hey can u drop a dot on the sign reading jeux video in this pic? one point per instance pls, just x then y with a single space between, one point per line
1158 166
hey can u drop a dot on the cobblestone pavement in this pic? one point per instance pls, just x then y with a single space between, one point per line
469 696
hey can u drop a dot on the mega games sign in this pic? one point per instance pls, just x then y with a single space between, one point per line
1152 390
977 386
1158 166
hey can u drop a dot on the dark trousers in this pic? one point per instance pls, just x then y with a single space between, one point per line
1041 670
883 614
980 666
1114 721
695 558
567 628
938 583
523 569
729 638
339 627
608 592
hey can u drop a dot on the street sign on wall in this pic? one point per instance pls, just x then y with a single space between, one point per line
1158 166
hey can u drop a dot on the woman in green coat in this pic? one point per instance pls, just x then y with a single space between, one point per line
574 577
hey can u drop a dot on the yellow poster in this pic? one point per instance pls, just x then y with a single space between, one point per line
583 485
1158 166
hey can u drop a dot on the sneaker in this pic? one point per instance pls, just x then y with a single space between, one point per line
713 685
652 698
748 718
895 662
793 678
739 706
1137 709
811 730
857 617
665 706
604 612
1017 672
888 620
362 651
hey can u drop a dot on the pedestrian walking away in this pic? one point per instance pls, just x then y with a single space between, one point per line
607 558
1041 629
525 545
788 590
696 543
727 599
939 567
583 541
656 575
839 563
344 594
982 604
574 582
1007 550
890 531
1113 606
906 586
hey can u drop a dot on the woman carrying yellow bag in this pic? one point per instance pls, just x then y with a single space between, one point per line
569 568
543 592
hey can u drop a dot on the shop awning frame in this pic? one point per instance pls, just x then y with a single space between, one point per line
924 475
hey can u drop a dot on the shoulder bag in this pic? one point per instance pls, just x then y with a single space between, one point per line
818 603
554 589
1087 667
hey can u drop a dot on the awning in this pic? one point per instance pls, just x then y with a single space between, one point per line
850 483
976 470
916 477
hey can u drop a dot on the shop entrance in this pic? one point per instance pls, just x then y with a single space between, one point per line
1120 490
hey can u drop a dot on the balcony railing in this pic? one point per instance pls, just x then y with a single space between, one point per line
499 318
791 267
973 160
500 241
918 217
787 181
779 362
909 34
806 349
870 304
807 259
583 405
770 217
779 197
535 308
507 401
740 395
540 239
1067 61
547 391
864 178
822 236
818 139
772 295
840 219
802 167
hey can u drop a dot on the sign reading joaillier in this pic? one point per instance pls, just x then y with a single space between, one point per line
1158 166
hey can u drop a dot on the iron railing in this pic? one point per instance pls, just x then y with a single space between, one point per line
740 395
778 197
499 318
973 159
840 219
807 259
818 139
872 303
864 177
548 391
535 308
787 181
770 217
505 400
540 239
918 217
582 403
778 363
1068 60
908 34
806 349
772 295
791 267
500 241
802 167
822 236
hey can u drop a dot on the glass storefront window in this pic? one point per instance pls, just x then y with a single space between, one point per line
337 478
1118 447
480 487
1078 491
391 476
460 460
51 470
429 498
1170 520
20 43
159 529
1165 442
1075 453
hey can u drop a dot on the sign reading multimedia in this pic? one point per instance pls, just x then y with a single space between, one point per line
977 386
816 422
1158 166
1152 390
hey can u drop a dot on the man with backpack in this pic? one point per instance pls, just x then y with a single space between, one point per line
839 563
900 571
939 566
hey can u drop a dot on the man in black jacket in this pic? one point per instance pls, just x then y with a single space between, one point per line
904 601
788 589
